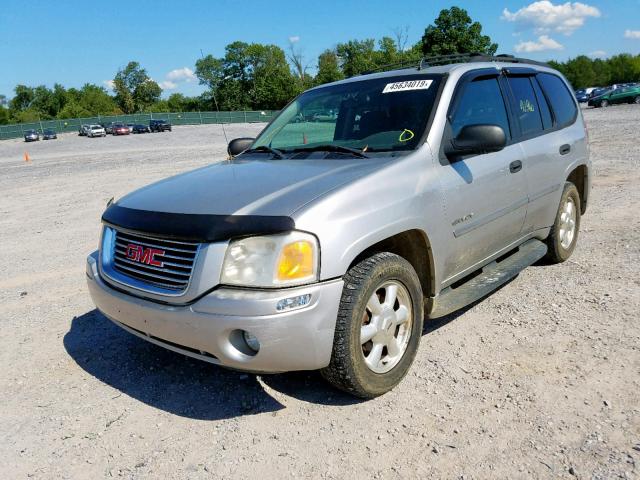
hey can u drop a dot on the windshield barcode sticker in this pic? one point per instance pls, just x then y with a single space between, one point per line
408 85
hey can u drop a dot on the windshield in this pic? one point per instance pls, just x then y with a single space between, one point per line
381 114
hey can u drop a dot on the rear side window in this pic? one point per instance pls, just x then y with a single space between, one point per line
561 100
545 113
481 102
526 105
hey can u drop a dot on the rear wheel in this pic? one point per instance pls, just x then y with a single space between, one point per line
564 234
378 328
637 100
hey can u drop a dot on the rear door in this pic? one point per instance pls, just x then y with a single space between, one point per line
551 139
485 195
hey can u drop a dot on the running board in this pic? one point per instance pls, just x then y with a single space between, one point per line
491 277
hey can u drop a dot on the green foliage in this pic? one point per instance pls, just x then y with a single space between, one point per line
356 56
135 90
585 72
161 106
4 116
455 32
328 68
250 76
22 99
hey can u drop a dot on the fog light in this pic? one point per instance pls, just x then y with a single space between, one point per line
252 341
293 302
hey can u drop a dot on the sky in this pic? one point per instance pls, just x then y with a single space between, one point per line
77 42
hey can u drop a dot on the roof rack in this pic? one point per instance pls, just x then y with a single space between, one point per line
431 61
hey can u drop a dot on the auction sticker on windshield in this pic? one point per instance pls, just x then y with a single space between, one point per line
408 85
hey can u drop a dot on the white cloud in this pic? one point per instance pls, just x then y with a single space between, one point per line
544 16
108 84
294 39
634 34
544 43
184 74
598 54
168 85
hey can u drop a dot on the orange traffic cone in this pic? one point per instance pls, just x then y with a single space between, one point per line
27 158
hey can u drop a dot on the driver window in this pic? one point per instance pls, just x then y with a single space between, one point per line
481 102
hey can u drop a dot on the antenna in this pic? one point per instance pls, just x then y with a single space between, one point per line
215 102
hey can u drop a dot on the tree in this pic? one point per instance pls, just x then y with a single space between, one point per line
579 71
22 99
250 76
273 85
4 115
328 68
96 100
135 90
624 68
300 67
356 56
455 32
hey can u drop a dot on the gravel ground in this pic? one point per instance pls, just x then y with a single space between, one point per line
539 380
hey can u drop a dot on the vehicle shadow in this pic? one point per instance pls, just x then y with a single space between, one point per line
181 385
192 388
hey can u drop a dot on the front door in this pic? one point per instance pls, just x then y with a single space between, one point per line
485 195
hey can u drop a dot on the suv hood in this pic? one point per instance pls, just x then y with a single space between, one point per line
251 186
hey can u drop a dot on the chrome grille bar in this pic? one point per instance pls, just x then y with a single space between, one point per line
167 264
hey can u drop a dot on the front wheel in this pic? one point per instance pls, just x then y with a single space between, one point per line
637 100
378 328
564 234
604 103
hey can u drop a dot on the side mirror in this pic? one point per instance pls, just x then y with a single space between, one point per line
239 145
479 139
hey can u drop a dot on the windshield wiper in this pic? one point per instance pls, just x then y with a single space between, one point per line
264 148
332 148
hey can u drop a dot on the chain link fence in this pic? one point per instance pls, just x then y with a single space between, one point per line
181 118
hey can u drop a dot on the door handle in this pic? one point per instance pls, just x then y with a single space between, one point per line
515 166
564 149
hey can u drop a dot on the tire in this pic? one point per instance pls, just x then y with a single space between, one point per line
561 242
367 284
637 100
604 103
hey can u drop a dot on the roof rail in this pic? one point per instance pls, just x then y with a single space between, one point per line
431 61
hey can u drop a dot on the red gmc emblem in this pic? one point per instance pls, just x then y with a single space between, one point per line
144 255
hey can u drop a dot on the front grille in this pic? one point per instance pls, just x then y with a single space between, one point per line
170 267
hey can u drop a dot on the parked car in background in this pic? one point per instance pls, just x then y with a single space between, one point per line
615 96
49 134
130 126
82 130
108 127
96 131
120 129
159 126
31 136
583 94
599 91
139 128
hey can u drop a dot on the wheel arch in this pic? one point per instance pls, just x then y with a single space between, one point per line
579 176
412 245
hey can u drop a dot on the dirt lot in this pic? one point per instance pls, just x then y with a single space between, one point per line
541 379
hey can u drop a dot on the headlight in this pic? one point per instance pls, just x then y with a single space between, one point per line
271 261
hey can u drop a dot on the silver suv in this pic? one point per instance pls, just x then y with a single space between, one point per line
325 242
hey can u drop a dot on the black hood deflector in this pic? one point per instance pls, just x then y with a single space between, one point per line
191 227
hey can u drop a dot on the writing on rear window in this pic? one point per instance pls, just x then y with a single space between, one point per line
408 85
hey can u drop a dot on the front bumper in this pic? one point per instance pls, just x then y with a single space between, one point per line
208 329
